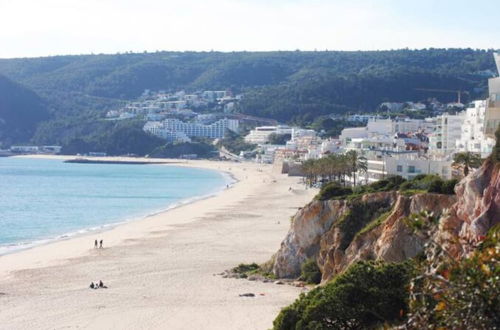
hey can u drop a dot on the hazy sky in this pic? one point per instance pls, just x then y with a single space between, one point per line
51 27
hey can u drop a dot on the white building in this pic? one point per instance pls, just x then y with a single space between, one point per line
409 166
413 125
300 132
447 131
376 143
24 149
378 127
350 133
176 130
260 135
360 118
472 137
492 117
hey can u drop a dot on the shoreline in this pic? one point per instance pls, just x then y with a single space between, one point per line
164 264
87 232
12 248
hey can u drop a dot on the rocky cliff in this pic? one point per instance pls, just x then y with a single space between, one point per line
337 233
477 210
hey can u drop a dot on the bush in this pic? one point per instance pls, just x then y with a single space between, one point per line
333 189
458 294
359 215
310 272
436 186
387 184
244 268
366 295
429 183
495 154
449 187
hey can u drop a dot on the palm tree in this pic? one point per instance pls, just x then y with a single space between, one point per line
355 163
362 165
467 160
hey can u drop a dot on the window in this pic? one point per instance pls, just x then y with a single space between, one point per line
411 169
399 168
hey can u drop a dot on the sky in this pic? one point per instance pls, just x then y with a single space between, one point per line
32 28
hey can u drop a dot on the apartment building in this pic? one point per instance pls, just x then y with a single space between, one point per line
410 165
472 137
447 131
176 130
260 135
492 115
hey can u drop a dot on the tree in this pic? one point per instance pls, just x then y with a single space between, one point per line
356 164
467 160
365 296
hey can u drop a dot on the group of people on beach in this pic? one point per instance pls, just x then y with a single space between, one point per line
100 284
100 244
97 285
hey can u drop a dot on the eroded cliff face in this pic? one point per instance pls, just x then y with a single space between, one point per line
477 210
338 233
303 239
392 240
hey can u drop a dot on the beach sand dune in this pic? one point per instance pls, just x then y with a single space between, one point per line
161 271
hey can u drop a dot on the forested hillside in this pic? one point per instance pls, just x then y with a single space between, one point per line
20 112
282 85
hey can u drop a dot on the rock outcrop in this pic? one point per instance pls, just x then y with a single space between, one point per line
315 232
392 240
476 211
338 233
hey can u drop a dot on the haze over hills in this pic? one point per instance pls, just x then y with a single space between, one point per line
281 85
20 112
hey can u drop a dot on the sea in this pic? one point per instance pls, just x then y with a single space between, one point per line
42 200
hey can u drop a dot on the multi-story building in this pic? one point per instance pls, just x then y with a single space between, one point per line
176 130
410 165
447 131
492 115
413 125
374 127
260 135
472 137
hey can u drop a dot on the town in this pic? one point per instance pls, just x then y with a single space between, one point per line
392 142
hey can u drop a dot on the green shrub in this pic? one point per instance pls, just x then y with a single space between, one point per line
436 186
244 268
310 272
264 270
387 184
366 295
333 189
449 187
495 154
374 223
429 183
358 216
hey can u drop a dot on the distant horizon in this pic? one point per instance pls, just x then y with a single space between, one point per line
131 52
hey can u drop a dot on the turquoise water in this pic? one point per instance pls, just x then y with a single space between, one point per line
42 200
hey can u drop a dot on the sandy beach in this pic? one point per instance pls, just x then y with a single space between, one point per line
161 270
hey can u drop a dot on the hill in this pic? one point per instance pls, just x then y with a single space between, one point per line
20 112
282 85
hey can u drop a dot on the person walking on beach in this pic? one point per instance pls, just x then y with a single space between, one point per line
95 244
100 244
